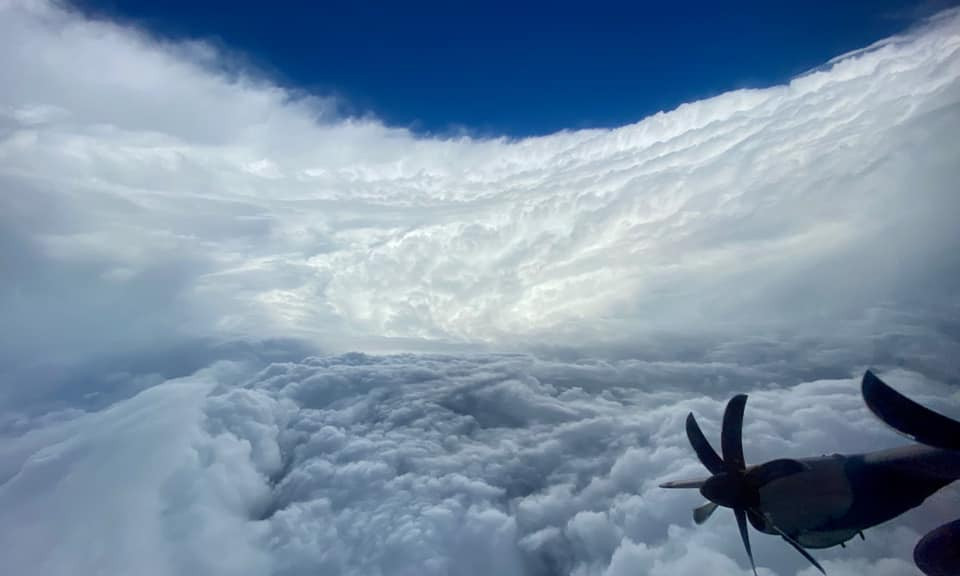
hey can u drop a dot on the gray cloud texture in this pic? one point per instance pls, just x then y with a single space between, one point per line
422 464
177 234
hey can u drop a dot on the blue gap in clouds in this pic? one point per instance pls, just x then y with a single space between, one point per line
523 68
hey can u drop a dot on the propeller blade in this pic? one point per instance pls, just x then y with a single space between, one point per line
684 483
701 513
705 452
908 417
798 547
731 436
742 525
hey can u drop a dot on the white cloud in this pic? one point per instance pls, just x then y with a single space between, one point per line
130 490
161 208
149 192
420 464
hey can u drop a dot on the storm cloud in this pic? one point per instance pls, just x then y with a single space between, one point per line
192 257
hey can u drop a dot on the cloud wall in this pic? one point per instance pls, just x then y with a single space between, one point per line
192 256
156 191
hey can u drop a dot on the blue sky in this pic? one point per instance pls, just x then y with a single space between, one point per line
523 68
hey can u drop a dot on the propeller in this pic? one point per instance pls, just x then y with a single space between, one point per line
731 485
701 513
908 417
937 552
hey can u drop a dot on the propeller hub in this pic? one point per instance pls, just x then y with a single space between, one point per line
728 490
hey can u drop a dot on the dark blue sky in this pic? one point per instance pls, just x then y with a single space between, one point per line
520 68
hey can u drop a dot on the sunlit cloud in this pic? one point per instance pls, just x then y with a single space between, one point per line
163 208
126 159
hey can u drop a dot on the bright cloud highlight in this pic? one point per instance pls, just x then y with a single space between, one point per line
191 255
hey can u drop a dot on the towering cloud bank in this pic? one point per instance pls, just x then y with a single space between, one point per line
151 192
162 208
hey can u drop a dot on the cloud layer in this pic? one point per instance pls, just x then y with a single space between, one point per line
422 464
177 234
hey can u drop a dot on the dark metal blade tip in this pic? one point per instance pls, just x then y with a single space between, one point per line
741 515
731 434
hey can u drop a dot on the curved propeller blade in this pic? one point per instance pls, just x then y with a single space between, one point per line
744 535
798 547
908 417
705 452
701 513
731 436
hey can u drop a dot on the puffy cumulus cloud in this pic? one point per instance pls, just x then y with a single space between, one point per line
156 191
422 464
